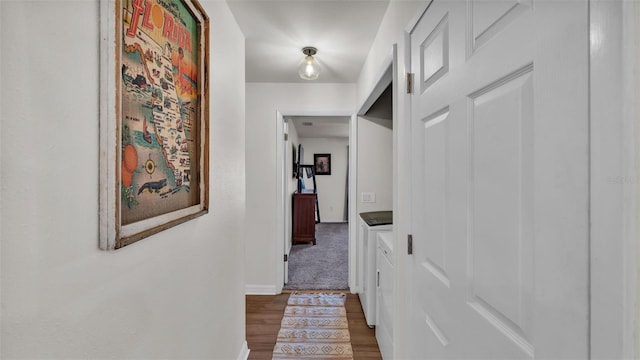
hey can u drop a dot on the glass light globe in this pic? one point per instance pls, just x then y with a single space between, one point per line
309 68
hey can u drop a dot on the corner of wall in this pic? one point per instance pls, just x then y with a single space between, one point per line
260 290
244 352
635 114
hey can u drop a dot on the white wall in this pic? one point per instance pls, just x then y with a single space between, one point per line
375 170
633 26
178 294
331 188
391 31
292 182
615 189
398 15
263 100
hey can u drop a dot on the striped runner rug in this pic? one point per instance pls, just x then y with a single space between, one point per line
314 326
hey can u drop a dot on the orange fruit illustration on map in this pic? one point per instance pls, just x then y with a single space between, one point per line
127 176
130 158
129 164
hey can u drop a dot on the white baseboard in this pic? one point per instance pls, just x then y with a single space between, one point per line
244 352
260 290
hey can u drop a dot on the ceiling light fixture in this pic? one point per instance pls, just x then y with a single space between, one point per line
309 68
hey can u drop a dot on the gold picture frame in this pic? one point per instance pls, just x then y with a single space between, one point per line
154 135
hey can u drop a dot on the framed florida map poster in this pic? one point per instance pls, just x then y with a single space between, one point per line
154 117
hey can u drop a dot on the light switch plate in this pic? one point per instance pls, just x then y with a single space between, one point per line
368 197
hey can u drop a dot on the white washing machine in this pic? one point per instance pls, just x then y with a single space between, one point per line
371 223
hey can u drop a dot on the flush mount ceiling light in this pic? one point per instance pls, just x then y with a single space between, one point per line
309 68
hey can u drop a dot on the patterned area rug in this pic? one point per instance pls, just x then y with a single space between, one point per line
314 326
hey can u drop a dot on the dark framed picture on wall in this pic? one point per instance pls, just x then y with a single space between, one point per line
322 164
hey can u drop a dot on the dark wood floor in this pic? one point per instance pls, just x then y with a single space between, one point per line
264 314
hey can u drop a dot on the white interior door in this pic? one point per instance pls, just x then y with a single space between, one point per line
500 184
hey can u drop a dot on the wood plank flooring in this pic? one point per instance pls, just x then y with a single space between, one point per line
264 314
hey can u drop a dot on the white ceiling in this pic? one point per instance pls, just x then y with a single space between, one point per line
321 126
277 30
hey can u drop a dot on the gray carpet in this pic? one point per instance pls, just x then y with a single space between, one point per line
323 266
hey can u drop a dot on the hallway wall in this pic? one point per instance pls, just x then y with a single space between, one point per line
263 100
331 188
375 166
292 182
178 294
391 31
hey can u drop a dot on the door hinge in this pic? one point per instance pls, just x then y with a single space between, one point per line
409 83
286 137
378 278
286 258
410 244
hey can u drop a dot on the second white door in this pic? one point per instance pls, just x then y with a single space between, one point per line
500 187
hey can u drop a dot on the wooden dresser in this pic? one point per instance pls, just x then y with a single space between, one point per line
304 221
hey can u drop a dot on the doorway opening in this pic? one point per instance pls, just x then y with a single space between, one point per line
316 183
365 196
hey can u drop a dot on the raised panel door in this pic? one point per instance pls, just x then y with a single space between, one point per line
499 219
